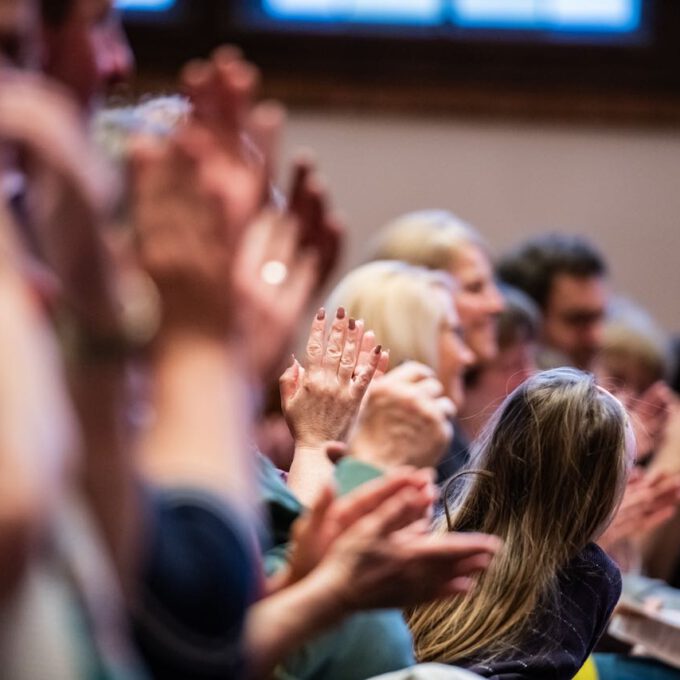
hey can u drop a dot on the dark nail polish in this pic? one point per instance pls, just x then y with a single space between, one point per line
378 349
341 313
352 324
321 314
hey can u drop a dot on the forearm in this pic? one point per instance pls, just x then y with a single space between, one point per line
109 476
278 625
309 472
199 436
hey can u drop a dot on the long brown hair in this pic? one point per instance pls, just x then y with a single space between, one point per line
554 463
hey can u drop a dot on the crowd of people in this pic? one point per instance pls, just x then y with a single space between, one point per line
455 478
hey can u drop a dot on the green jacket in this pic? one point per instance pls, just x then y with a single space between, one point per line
365 644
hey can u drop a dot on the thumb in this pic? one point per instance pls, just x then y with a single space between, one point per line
289 380
335 450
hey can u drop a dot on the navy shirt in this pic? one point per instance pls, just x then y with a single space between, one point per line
563 636
199 577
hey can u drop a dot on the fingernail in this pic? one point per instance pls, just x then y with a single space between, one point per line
341 313
378 349
321 314
352 324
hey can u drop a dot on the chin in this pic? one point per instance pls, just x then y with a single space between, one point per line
483 345
485 352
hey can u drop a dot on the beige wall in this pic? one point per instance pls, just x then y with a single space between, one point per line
620 186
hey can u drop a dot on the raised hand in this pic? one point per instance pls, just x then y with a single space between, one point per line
274 279
648 415
223 91
361 553
321 402
404 420
378 562
321 231
650 499
283 259
329 517
69 193
185 241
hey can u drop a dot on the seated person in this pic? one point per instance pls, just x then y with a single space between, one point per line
436 239
547 477
412 312
567 278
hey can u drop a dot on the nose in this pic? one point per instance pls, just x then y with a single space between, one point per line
494 300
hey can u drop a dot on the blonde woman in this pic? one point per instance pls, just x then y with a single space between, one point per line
411 311
436 239
546 476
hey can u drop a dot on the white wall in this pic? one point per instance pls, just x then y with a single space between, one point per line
619 186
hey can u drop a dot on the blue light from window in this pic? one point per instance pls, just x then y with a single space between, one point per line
418 12
145 5
598 16
576 16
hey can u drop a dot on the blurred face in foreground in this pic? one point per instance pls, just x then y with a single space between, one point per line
88 51
18 37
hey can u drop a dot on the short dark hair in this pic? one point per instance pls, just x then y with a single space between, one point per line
534 264
520 320
55 12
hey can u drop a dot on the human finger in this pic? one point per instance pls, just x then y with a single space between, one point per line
336 342
383 364
350 352
430 387
458 545
265 127
397 512
446 407
366 372
368 344
289 380
315 343
411 371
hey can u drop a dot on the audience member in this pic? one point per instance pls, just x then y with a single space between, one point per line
146 307
567 278
411 310
439 240
547 597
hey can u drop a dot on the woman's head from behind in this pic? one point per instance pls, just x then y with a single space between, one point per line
551 469
560 439
436 239
411 311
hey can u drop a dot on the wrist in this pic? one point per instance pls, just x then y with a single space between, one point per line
309 448
371 455
325 592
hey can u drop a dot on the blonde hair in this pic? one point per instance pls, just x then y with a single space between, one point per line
551 469
397 302
427 238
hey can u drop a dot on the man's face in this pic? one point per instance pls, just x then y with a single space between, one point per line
574 317
88 52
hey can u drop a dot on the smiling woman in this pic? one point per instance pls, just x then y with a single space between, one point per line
439 240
